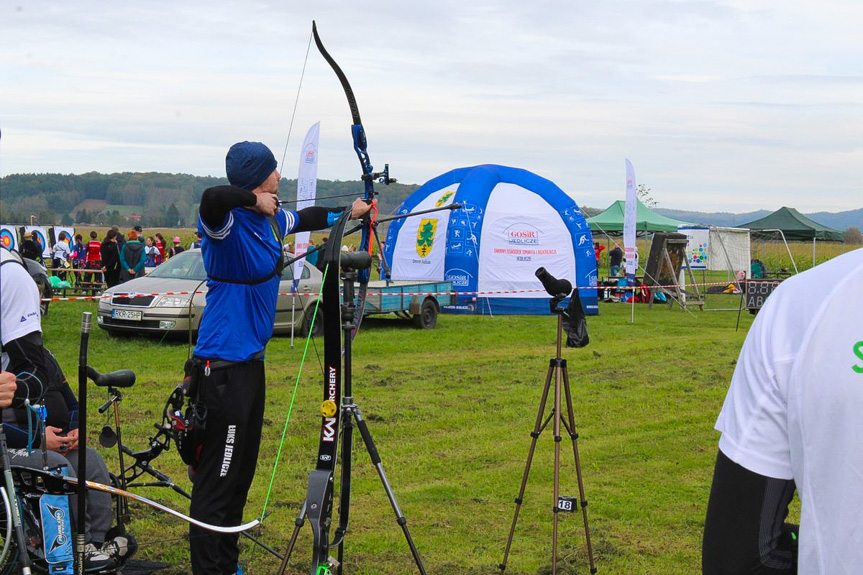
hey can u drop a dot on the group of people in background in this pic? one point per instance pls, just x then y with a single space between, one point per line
615 258
66 254
115 259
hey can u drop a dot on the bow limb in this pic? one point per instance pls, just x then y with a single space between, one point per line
357 130
135 497
361 148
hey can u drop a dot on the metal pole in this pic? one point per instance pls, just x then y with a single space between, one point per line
632 312
293 317
80 537
813 252
574 435
557 439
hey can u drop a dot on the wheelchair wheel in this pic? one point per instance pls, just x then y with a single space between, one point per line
8 547
9 554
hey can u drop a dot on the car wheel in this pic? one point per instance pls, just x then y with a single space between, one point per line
318 327
427 317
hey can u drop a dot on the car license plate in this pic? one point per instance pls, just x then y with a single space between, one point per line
126 314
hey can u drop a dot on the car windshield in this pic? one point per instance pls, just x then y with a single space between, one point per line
186 266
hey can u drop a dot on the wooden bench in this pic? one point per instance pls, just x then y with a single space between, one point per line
80 289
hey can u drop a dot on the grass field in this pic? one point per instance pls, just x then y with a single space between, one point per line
451 411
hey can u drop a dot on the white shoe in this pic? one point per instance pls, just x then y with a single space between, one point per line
97 560
120 548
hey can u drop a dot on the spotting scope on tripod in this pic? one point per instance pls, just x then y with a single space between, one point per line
570 319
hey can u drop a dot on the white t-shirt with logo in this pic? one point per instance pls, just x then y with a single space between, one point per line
19 302
61 251
795 407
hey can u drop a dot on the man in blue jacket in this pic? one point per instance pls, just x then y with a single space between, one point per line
242 228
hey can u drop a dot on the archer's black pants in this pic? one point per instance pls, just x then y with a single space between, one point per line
235 413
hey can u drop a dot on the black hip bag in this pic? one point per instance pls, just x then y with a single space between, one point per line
190 426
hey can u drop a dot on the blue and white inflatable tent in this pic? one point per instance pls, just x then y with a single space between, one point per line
511 223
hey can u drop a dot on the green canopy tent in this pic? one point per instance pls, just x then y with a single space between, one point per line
610 221
794 226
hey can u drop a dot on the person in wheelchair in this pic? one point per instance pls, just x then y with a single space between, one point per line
106 550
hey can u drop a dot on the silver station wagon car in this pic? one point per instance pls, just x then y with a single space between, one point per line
162 302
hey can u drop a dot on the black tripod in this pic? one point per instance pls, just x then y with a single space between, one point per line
556 370
350 412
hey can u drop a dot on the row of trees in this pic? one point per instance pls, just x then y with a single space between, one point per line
151 199
853 236
165 218
171 200
170 218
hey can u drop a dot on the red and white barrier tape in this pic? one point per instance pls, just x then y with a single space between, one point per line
58 271
392 294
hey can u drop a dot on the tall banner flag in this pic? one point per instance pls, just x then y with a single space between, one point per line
629 219
307 185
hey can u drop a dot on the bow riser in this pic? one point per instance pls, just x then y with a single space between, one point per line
360 147
320 493
319 498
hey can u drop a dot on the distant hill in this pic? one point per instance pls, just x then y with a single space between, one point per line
838 220
167 200
150 199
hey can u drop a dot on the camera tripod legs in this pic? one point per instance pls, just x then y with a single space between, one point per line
354 410
556 370
582 498
351 411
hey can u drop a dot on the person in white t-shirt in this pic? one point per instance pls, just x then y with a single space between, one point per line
793 420
24 365
61 251
21 329
60 255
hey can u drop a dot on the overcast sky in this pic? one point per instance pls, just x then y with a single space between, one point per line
730 105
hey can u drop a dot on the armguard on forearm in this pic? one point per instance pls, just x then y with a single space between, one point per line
27 362
317 218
